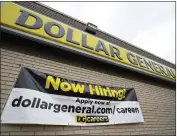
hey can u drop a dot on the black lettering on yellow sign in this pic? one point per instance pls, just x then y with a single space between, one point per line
48 29
148 64
145 63
100 47
131 58
81 119
39 25
84 42
23 18
115 51
69 37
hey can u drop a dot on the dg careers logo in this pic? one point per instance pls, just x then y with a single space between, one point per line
91 119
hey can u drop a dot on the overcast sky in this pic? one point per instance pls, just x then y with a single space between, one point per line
147 25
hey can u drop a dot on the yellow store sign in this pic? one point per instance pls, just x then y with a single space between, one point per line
24 20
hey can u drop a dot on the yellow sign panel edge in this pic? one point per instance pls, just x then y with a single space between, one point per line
9 18
75 50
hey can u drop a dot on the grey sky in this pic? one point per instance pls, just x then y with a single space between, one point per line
148 25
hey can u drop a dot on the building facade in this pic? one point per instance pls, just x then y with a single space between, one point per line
155 92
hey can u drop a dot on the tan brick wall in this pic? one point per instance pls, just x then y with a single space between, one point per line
157 102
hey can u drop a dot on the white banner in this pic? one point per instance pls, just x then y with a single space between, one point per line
27 106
